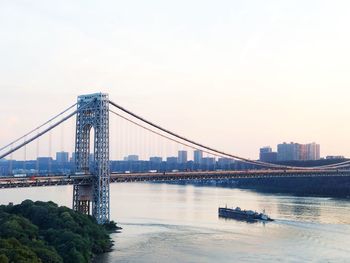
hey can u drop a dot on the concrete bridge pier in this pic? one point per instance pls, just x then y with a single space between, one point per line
82 198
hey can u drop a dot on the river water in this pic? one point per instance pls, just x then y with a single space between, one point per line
179 223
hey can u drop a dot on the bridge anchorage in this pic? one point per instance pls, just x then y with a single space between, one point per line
93 113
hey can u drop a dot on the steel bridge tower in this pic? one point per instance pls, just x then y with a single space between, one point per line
93 112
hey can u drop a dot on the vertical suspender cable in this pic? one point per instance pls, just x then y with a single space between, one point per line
25 157
50 154
11 163
37 155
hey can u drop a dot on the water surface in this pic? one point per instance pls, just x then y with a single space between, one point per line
179 223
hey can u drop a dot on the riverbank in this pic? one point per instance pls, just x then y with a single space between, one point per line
335 186
45 232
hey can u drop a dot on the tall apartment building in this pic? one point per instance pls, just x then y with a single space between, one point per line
197 156
313 151
298 152
182 157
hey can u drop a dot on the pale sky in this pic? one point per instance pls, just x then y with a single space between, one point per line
235 75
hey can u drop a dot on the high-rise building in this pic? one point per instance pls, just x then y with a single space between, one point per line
62 157
313 151
197 156
303 152
298 152
182 157
288 152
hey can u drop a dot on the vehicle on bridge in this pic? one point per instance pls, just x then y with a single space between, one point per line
19 175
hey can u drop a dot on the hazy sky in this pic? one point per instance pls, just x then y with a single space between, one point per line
236 75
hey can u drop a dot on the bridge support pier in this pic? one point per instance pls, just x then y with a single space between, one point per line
82 197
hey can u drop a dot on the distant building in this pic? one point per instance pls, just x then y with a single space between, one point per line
313 151
44 160
288 152
266 149
44 163
182 157
298 152
208 161
62 157
267 155
72 159
225 163
303 152
131 157
197 156
335 157
171 160
155 159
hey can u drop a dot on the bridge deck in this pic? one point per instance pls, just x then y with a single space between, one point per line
40 181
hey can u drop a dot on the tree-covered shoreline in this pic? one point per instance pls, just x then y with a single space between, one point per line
45 232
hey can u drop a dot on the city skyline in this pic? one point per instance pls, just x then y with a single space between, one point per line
305 151
239 76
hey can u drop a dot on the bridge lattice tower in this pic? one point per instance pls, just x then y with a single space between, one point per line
93 112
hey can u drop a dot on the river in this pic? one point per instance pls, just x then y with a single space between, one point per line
179 223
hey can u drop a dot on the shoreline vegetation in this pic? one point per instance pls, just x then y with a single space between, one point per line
43 232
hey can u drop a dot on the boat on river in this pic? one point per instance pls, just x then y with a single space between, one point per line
239 214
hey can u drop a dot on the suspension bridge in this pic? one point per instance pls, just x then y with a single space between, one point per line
91 179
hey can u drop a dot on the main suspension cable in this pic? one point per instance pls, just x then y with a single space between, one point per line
37 128
218 152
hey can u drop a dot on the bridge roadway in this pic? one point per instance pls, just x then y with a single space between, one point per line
52 180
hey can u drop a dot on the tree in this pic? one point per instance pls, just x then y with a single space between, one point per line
3 258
